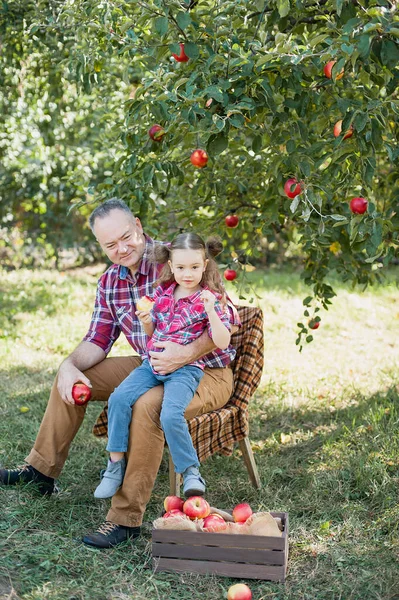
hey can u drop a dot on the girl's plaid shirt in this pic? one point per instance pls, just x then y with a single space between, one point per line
115 306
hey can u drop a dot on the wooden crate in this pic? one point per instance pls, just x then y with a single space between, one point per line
229 555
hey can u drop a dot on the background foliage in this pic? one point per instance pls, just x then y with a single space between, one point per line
83 81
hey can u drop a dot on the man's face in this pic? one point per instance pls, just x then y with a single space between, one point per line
121 237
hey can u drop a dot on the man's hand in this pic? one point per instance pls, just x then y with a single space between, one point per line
68 375
173 357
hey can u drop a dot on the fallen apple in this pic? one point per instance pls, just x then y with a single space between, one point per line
358 205
338 130
173 503
144 303
230 274
239 591
199 158
214 523
231 220
182 57
196 507
242 512
156 133
292 188
81 393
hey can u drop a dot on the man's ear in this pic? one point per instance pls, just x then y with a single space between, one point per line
139 225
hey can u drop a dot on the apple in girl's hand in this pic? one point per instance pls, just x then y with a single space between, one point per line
239 591
144 303
172 503
231 220
230 274
174 513
214 523
81 393
182 57
156 133
196 507
199 158
241 512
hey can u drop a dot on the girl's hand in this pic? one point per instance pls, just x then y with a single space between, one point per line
144 316
208 299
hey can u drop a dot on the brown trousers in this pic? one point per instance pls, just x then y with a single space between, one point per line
61 422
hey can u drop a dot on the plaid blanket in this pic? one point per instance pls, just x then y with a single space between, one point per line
218 430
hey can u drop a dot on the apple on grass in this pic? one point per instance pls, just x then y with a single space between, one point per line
292 188
338 130
196 507
156 133
358 205
239 591
242 512
81 393
214 523
182 57
231 220
173 503
199 158
230 274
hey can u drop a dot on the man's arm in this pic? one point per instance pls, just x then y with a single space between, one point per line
175 356
86 355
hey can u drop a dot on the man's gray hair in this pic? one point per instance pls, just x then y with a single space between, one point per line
106 207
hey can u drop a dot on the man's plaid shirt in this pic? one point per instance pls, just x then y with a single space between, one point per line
115 307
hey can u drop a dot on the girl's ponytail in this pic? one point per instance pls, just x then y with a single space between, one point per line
213 246
161 253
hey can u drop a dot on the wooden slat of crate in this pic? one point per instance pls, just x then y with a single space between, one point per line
239 570
241 555
225 540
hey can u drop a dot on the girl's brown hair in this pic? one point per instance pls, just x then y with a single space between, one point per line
191 241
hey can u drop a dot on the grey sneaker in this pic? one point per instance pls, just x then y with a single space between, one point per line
111 479
193 484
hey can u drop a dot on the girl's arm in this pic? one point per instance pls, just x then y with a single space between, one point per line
220 334
148 324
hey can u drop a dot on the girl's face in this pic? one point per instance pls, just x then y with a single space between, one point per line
188 267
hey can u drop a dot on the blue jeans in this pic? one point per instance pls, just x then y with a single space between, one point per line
179 389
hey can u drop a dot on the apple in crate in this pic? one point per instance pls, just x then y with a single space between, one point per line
196 507
242 512
214 523
172 503
239 591
175 512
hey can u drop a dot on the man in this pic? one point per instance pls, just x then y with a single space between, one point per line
131 276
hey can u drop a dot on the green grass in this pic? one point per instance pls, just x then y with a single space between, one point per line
324 429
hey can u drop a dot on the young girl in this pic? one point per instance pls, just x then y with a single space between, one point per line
189 300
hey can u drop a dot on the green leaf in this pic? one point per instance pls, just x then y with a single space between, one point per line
363 46
360 121
389 54
216 144
191 49
161 25
257 143
283 7
338 217
309 338
183 19
214 92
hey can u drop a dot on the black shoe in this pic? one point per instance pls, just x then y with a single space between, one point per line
110 534
28 475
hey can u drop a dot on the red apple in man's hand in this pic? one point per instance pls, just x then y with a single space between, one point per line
358 205
290 190
172 503
242 512
338 130
182 57
156 133
81 393
199 158
214 523
231 220
174 513
239 591
196 507
328 70
230 274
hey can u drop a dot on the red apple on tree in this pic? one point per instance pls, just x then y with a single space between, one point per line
230 274
292 188
338 130
242 512
156 133
214 523
81 393
172 503
239 591
313 324
358 205
199 158
231 220
196 507
328 70
182 57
